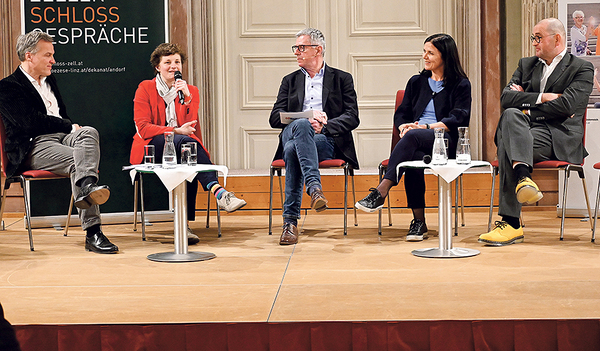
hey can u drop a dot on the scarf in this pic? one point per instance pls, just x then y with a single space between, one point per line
168 94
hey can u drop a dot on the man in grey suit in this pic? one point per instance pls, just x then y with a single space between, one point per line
544 104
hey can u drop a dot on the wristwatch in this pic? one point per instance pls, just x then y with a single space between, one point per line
427 125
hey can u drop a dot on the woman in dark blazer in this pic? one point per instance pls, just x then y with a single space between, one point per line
438 97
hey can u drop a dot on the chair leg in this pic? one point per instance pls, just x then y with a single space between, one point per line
143 215
456 207
271 200
494 174
596 210
69 215
346 199
381 209
25 185
218 221
564 203
462 202
353 197
208 210
135 201
587 199
4 192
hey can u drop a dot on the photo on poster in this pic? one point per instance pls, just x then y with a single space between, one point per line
582 22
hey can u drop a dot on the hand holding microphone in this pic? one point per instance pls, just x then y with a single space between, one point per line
178 76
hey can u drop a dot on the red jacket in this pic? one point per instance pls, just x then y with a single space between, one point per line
150 117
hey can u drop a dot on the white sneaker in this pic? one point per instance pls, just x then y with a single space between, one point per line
192 238
230 203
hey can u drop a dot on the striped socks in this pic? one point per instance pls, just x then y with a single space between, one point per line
217 190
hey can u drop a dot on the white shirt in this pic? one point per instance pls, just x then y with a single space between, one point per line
547 71
313 90
43 88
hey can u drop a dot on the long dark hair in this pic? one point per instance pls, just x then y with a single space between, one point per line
446 45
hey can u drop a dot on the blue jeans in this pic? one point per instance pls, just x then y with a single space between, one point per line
302 152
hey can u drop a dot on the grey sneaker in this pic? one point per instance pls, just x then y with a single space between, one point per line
193 239
230 203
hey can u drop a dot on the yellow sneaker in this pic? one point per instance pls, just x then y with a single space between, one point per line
528 192
502 234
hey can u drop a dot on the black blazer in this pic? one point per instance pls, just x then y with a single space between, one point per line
339 102
452 104
573 78
24 116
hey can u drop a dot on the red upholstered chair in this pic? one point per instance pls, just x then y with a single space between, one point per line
24 179
596 166
384 165
567 168
278 165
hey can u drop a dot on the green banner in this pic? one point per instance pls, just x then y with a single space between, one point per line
102 50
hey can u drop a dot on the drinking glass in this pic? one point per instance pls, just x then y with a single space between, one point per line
193 158
185 153
149 156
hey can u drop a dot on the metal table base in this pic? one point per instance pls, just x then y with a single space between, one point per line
181 253
445 249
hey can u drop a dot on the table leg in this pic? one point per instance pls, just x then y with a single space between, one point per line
445 249
181 253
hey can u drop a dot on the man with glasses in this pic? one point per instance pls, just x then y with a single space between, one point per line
329 93
544 104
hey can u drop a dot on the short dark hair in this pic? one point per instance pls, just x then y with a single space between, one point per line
166 49
446 45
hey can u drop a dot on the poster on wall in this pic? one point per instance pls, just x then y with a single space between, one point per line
582 22
102 51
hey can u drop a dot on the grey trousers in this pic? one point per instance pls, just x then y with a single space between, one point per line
76 155
518 140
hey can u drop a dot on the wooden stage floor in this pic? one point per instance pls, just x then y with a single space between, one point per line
326 277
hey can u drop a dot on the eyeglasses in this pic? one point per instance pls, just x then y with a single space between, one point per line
301 48
538 38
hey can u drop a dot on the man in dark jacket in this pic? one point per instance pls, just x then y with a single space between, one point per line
545 101
40 135
329 93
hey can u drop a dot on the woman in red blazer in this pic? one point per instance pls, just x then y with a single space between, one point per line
158 109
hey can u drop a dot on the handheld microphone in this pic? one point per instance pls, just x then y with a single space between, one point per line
427 159
177 76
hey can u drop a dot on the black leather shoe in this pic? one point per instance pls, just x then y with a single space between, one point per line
372 202
92 194
417 231
99 243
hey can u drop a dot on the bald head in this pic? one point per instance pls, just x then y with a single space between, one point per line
549 39
555 26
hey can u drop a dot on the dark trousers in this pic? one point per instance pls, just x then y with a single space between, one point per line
8 339
518 140
204 178
414 145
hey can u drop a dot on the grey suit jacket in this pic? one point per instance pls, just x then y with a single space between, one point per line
564 116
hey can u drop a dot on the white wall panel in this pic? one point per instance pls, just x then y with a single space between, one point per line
261 76
378 76
388 17
260 146
273 18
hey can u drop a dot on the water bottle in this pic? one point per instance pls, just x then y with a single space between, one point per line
463 148
439 155
169 156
